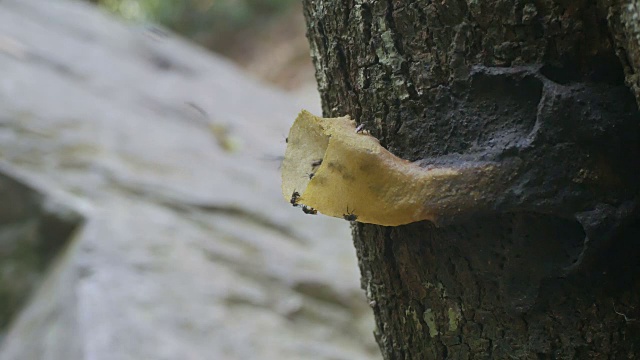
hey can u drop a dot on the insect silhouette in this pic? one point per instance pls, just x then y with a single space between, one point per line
350 216
316 163
360 128
309 210
294 198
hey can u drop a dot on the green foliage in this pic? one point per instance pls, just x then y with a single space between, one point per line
210 22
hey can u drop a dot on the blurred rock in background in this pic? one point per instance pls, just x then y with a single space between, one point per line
265 37
140 207
34 227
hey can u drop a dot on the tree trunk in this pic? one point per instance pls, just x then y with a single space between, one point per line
550 270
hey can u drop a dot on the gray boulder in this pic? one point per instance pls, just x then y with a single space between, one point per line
164 154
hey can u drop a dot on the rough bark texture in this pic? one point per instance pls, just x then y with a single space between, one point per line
624 22
550 271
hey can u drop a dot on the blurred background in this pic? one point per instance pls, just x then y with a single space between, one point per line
141 215
264 37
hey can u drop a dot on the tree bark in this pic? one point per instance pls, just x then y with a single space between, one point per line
549 272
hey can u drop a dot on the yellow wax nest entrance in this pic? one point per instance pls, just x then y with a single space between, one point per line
331 168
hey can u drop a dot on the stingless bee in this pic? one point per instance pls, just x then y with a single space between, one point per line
309 210
294 198
350 216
